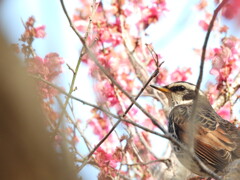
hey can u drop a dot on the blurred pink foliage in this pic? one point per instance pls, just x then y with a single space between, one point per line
226 60
31 31
232 9
48 68
225 111
108 162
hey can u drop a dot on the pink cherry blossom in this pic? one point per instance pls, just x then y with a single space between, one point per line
204 25
180 74
151 14
48 68
162 76
212 92
107 162
231 9
225 111
39 32
106 89
224 60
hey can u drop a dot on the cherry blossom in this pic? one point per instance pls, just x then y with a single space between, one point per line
225 60
180 74
231 10
108 162
204 25
225 111
39 32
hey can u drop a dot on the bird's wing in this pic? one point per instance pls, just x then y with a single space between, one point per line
214 142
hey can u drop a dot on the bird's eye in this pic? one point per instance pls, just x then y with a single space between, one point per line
177 88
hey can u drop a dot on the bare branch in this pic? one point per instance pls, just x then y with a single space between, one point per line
71 69
88 145
78 63
222 99
210 27
138 66
166 161
143 141
192 127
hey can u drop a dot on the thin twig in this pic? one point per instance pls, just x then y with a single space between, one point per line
88 145
216 11
210 27
222 99
192 127
147 163
143 141
69 20
152 52
145 129
138 66
76 68
71 69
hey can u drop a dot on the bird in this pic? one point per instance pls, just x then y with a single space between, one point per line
216 140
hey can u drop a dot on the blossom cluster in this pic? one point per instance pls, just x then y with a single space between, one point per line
225 68
47 68
30 34
231 10
225 60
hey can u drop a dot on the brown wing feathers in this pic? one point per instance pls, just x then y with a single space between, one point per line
216 158
215 141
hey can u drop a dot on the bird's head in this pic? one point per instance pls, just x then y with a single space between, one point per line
179 93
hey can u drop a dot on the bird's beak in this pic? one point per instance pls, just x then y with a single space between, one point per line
160 88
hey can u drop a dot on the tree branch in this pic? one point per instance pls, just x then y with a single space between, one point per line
210 27
77 66
138 67
166 161
222 98
193 124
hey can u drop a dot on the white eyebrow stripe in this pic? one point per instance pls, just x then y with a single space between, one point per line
187 85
